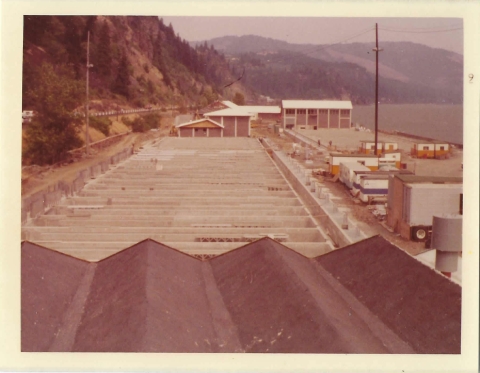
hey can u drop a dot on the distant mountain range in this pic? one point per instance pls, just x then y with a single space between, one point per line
409 72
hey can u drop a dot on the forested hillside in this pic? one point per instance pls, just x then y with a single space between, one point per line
135 62
136 59
409 72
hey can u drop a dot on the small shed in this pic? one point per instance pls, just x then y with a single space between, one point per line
430 149
368 147
200 128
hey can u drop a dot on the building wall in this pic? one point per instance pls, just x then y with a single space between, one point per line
301 119
185 132
323 118
435 199
334 117
438 150
420 152
345 116
214 132
229 126
395 203
412 206
200 132
243 124
269 116
312 121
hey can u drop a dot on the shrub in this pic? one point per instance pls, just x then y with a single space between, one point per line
145 123
101 123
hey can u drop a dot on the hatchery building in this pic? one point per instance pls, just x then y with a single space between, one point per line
315 114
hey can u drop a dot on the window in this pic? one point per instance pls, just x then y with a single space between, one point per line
196 129
345 112
301 111
425 148
290 111
312 112
442 148
323 111
334 112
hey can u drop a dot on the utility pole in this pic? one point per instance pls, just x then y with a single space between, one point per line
376 50
87 140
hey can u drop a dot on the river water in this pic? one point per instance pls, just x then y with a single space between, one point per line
440 122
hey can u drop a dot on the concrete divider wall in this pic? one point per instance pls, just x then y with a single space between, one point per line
52 198
335 231
36 204
37 208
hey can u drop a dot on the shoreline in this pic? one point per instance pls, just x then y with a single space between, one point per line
416 137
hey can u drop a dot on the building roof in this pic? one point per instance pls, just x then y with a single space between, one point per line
199 121
412 179
372 141
425 142
408 297
229 104
182 118
357 155
262 109
355 166
369 297
316 104
236 112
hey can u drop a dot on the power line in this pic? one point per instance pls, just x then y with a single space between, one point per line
420 31
323 47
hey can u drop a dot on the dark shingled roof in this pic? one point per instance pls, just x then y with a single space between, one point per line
262 297
421 307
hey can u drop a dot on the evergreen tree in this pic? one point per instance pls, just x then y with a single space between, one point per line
238 99
122 82
103 61
158 60
53 131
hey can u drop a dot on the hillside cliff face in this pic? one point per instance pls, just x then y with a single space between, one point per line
137 61
410 73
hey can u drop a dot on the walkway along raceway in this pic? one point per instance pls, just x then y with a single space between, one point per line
203 196
340 228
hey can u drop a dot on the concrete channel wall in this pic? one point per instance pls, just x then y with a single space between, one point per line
341 229
39 203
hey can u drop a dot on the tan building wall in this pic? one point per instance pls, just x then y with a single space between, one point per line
215 132
229 126
334 118
243 124
185 132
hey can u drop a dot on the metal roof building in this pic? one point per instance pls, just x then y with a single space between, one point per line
315 114
370 297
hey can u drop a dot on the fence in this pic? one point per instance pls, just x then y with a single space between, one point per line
40 202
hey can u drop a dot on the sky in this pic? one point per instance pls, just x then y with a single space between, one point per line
317 30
